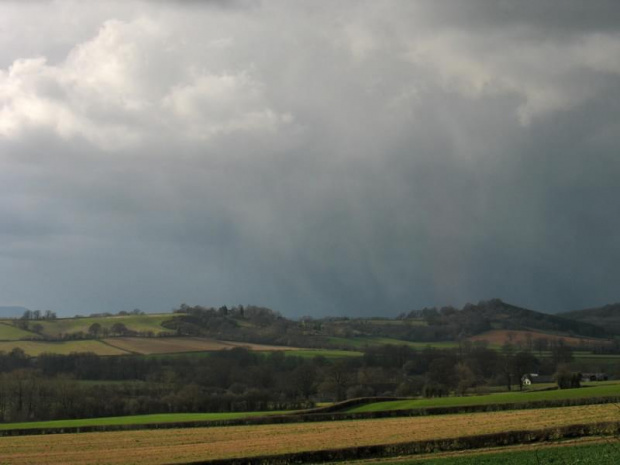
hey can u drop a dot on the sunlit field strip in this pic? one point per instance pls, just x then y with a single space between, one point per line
136 420
36 348
8 332
182 445
603 390
140 323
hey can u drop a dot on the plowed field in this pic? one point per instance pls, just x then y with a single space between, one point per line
501 336
168 345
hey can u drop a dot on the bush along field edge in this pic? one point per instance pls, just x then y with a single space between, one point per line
427 446
313 416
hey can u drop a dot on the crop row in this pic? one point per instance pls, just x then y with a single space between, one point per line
401 436
424 447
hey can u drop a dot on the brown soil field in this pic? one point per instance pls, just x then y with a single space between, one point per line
500 336
183 445
166 345
260 347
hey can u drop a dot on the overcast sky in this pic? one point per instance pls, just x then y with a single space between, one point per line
316 157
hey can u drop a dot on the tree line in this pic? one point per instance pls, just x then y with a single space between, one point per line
79 385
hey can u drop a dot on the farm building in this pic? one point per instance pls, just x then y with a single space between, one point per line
534 378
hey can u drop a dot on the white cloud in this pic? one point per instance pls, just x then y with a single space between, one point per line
548 75
211 104
116 89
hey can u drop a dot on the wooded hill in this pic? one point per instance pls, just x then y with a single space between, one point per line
607 316
260 325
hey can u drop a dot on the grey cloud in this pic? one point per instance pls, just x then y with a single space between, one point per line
569 17
319 158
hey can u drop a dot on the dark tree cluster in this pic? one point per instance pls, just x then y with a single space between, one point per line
86 385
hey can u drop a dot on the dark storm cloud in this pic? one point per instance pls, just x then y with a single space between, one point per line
571 16
319 158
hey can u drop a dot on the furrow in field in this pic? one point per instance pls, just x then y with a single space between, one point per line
182 445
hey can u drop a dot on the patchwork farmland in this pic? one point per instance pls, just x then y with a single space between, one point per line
190 387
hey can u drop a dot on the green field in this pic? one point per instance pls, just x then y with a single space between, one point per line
606 453
596 357
303 353
35 348
136 420
388 322
8 332
141 323
603 390
359 342
327 353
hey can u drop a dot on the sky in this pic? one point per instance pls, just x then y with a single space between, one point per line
359 158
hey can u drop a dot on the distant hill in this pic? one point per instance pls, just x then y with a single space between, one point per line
510 316
491 320
12 312
607 316
475 319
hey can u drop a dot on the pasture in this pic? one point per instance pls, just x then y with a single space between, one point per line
327 353
184 445
8 332
359 342
396 322
143 346
601 390
140 323
157 418
36 348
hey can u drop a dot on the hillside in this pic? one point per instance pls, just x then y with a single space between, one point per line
607 316
190 329
474 319
513 317
418 328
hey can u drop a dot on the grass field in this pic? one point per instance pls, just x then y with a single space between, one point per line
591 451
183 445
388 322
8 332
142 323
266 350
147 346
35 348
596 357
136 420
327 353
364 341
603 390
